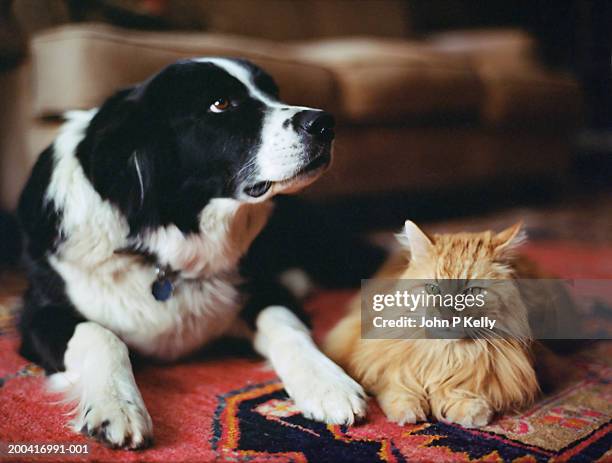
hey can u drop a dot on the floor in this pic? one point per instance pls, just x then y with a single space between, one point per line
243 413
585 218
583 221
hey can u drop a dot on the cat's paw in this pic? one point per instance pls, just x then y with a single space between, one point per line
469 413
117 423
402 409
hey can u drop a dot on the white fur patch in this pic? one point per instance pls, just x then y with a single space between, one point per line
297 282
117 295
84 214
281 153
99 380
319 387
227 228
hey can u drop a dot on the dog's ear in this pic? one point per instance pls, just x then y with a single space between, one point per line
120 152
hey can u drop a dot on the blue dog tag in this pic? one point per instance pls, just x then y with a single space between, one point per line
162 289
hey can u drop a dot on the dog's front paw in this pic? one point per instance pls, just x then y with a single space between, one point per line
117 423
469 413
326 393
402 408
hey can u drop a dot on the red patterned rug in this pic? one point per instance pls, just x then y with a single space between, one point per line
232 408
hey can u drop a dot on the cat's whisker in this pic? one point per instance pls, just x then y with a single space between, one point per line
523 341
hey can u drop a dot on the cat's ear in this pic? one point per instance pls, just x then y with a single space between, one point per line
509 239
417 242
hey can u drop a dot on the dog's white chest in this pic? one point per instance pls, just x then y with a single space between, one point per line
119 297
197 312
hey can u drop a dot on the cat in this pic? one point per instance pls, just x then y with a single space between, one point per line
464 381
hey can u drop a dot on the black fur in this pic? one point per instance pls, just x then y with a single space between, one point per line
303 235
48 319
10 244
39 218
264 292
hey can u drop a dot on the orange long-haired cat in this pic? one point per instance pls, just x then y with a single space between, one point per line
464 381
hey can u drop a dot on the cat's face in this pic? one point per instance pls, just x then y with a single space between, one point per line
461 256
470 263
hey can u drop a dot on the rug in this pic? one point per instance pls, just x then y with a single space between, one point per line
233 408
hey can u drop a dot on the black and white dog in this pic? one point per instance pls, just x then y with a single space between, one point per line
136 220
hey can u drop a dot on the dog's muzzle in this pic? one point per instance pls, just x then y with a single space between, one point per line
317 129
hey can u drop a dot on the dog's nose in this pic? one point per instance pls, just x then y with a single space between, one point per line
319 124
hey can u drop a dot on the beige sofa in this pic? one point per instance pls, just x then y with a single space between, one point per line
461 108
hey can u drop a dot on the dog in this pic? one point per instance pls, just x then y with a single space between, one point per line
136 220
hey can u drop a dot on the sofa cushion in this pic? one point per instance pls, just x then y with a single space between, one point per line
493 75
518 89
392 79
78 66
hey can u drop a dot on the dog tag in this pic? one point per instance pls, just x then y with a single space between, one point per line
162 289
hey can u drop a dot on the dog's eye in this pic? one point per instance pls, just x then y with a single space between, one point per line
220 105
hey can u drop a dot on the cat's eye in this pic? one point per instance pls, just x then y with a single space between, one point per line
220 105
432 288
474 290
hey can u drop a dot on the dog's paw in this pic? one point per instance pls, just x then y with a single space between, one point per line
117 423
326 393
469 413
402 408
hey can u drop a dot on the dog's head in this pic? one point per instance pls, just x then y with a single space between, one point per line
202 129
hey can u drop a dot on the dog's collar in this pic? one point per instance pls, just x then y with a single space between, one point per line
166 279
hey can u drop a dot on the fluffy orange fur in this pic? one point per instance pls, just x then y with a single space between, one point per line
464 381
